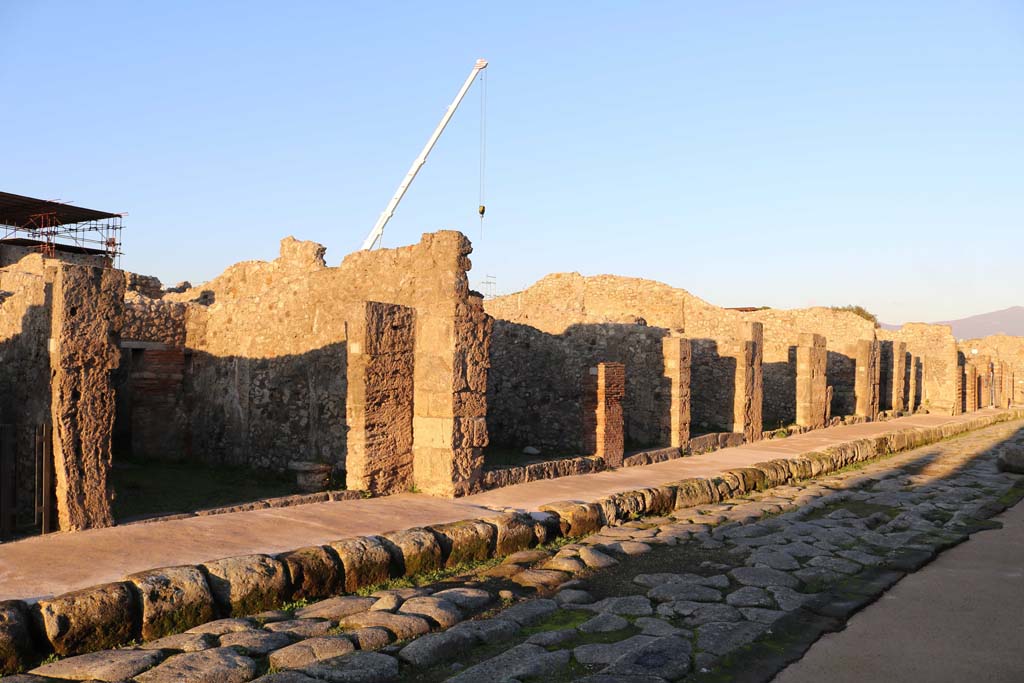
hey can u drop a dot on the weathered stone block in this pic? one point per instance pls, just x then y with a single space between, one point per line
576 519
314 572
413 551
465 541
514 533
90 619
173 599
366 560
16 650
247 584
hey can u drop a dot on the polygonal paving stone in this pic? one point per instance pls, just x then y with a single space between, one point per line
401 626
540 578
667 658
286 677
437 610
108 665
658 579
255 643
721 638
630 605
750 596
818 576
219 665
469 599
606 653
529 612
604 622
708 613
572 596
335 609
571 565
521 661
489 631
357 667
836 564
222 626
595 559
435 648
301 628
684 591
182 642
773 559
760 615
370 638
763 577
310 651
652 626
629 547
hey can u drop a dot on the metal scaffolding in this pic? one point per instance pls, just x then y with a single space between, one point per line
50 226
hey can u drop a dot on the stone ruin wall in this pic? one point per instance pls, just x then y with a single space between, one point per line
1000 348
60 323
265 375
559 301
936 365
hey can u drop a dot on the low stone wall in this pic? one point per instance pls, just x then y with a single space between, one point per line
159 602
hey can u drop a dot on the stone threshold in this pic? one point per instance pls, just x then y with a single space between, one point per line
161 602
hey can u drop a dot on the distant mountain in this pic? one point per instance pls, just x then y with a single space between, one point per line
1007 321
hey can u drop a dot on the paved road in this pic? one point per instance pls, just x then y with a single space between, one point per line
57 563
961 618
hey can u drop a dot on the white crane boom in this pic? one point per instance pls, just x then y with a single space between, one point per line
378 229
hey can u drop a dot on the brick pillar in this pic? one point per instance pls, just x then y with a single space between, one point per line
603 419
379 405
970 387
748 397
811 387
88 312
677 358
866 383
899 371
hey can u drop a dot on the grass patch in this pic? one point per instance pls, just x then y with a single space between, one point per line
146 488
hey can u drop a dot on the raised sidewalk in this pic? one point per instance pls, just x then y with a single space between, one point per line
58 563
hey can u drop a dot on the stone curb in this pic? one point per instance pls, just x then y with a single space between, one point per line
160 602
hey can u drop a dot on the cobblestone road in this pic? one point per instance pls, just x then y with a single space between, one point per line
733 591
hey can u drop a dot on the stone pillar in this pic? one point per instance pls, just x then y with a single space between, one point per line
749 394
913 362
997 383
971 386
379 405
88 312
985 375
866 382
603 418
811 386
899 371
677 358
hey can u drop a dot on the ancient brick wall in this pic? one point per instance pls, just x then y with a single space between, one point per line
1004 348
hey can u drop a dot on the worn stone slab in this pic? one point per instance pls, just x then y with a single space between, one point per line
436 648
182 642
437 610
310 651
220 665
466 599
606 653
301 628
222 626
357 667
521 661
335 609
401 626
529 612
255 643
106 665
514 533
668 658
174 599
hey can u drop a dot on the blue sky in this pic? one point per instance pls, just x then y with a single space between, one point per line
754 153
